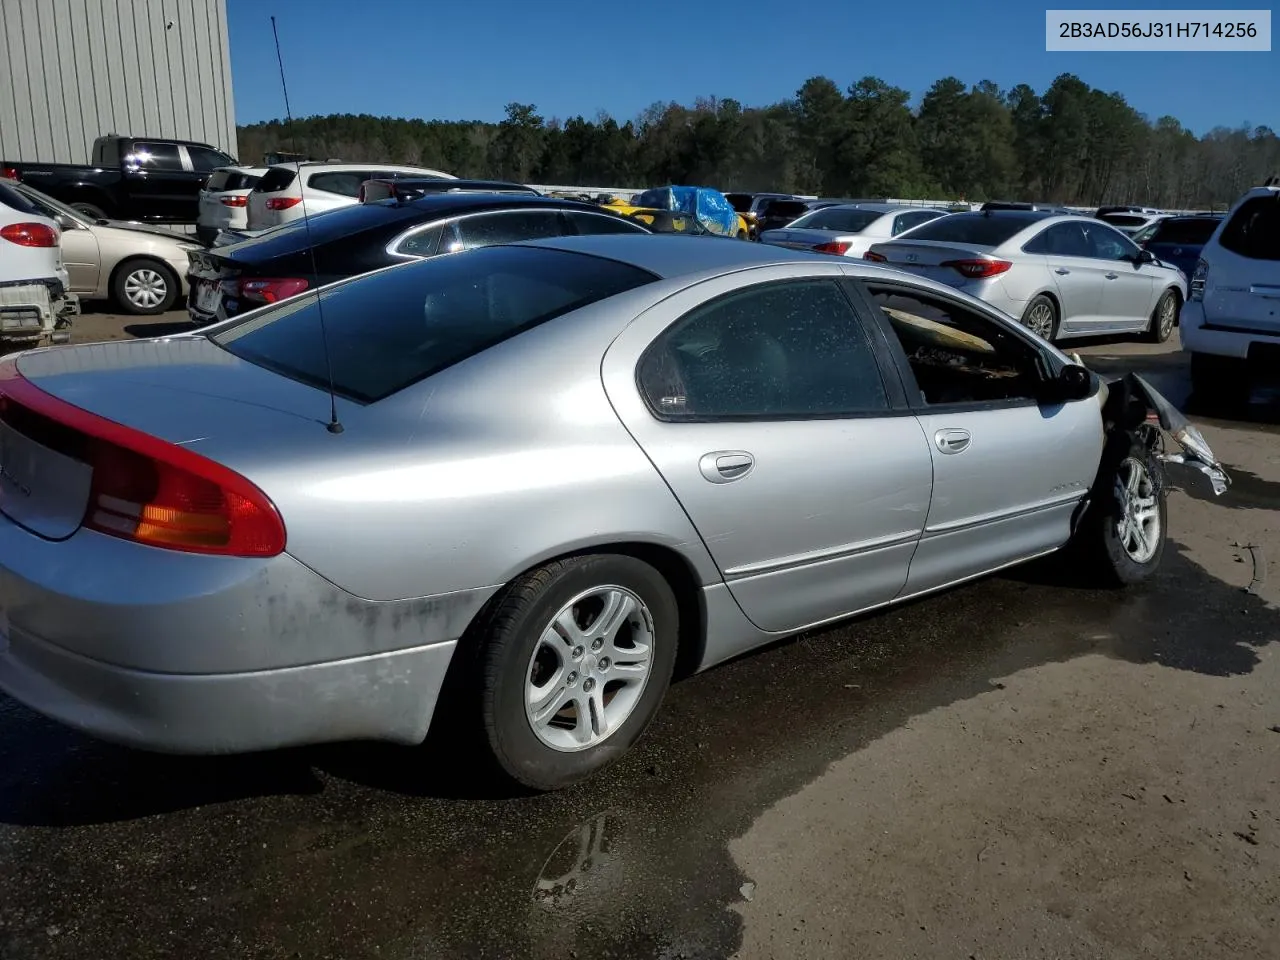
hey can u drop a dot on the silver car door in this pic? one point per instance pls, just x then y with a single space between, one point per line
760 400
1128 291
1075 275
1009 473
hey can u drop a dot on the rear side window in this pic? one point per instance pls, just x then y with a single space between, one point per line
1190 232
154 156
1254 230
587 224
509 226
276 179
431 315
971 228
345 184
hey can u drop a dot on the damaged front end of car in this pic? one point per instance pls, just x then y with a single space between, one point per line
1133 405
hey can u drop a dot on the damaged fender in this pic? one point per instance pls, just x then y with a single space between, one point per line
1195 452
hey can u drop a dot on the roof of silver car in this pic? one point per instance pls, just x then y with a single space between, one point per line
671 256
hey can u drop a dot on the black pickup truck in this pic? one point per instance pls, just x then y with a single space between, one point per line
142 178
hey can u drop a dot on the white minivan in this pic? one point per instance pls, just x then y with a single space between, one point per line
1231 321
286 190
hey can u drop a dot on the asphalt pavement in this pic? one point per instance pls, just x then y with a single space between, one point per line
1022 767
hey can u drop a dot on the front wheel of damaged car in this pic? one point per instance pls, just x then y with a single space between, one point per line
1123 534
576 657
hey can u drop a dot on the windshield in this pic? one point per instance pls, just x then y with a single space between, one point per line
974 229
838 219
390 329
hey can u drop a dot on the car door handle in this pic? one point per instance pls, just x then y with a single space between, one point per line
1062 271
1111 276
723 466
952 440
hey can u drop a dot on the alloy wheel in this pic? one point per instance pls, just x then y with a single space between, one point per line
1138 527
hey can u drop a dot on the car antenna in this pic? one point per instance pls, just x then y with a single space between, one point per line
334 425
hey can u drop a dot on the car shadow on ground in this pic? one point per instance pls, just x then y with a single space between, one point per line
646 840
159 328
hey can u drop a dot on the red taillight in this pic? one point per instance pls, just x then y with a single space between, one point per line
234 201
875 257
10 173
282 203
145 489
30 234
978 269
271 290
838 247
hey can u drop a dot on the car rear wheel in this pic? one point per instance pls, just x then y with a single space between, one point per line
144 287
576 658
1041 318
1163 318
1122 536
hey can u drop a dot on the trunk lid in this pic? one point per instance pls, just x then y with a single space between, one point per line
925 257
184 390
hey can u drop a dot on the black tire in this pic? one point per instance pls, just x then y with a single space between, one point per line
508 636
1098 542
89 210
143 269
1158 332
743 235
1037 306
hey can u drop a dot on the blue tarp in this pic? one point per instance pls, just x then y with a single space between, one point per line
708 206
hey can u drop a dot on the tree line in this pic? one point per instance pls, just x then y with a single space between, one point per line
1071 144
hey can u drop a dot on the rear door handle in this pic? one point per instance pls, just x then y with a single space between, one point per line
724 466
1062 271
1111 276
952 440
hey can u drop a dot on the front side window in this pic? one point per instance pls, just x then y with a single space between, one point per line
782 350
957 355
1109 244
203 159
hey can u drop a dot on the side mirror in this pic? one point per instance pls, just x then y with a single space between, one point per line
1145 256
1073 382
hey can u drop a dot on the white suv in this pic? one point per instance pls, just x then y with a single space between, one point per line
1231 320
287 189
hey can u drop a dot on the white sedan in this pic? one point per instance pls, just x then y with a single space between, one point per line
1061 276
848 229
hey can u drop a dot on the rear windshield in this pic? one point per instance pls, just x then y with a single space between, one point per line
1124 219
13 199
972 228
833 218
388 330
1190 232
276 179
785 208
1254 229
231 180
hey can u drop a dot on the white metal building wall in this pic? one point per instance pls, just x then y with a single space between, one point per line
73 70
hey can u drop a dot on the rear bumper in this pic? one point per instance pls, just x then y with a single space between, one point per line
388 696
201 654
1222 338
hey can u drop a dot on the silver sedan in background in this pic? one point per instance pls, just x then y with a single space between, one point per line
1062 276
849 229
558 472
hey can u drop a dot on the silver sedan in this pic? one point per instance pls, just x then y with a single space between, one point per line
558 472
849 229
1062 276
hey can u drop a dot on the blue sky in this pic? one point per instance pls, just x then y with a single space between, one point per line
452 60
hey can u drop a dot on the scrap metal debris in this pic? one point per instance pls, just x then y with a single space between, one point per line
1259 566
1195 450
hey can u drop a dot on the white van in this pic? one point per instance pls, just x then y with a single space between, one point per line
1230 323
